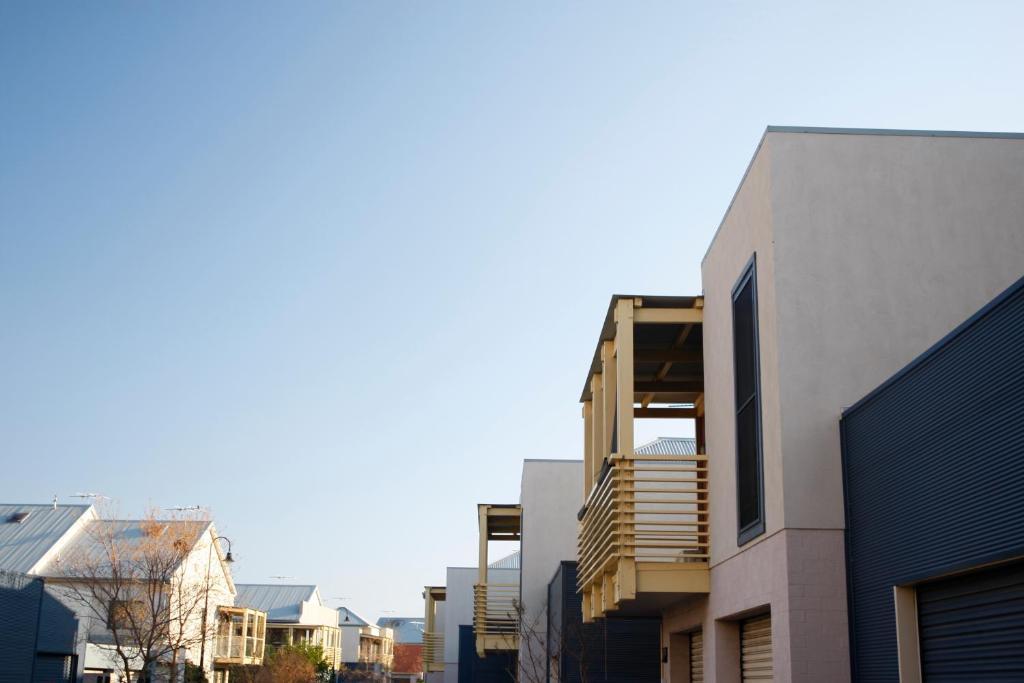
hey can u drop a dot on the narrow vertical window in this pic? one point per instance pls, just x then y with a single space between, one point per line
746 370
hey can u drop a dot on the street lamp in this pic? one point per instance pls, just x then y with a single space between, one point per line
228 559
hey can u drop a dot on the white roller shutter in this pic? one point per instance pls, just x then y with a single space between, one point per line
756 649
697 657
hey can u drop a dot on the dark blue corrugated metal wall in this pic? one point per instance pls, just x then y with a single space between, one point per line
612 650
972 626
933 465
494 668
19 615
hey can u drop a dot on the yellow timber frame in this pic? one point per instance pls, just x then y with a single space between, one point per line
496 605
245 648
433 632
644 526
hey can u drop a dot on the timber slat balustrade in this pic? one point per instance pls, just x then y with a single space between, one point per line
649 509
433 648
495 610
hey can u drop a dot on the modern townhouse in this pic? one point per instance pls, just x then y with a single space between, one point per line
295 614
65 554
842 257
368 648
434 598
933 465
450 641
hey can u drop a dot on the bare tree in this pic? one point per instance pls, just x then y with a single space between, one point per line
542 644
138 582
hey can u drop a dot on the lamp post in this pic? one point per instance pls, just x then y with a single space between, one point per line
206 599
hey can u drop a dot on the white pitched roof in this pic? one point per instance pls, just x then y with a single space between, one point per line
25 544
281 602
88 544
347 617
669 445
508 562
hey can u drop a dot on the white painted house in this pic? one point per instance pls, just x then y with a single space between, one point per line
50 541
295 614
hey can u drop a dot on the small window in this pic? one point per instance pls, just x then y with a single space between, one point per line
746 370
126 615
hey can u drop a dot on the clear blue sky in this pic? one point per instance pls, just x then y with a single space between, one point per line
335 269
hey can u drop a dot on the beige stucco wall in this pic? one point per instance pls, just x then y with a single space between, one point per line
550 494
870 249
883 244
746 229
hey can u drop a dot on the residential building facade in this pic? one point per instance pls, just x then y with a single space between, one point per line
295 614
65 553
368 648
843 255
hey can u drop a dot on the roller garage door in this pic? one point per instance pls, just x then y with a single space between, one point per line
972 625
756 649
697 657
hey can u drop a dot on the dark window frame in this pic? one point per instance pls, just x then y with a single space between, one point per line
750 531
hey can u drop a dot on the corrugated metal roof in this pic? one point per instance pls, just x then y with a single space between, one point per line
408 630
280 602
508 562
23 544
669 445
347 617
89 544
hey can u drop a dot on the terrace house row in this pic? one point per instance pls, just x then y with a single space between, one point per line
843 256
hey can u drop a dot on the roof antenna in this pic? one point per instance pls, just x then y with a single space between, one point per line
55 501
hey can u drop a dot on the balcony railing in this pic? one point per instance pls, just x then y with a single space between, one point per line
240 636
433 651
496 615
646 513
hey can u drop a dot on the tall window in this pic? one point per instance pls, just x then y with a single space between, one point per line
746 370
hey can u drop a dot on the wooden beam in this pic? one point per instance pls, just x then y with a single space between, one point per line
610 365
667 387
624 322
588 447
597 428
667 316
667 356
482 563
685 413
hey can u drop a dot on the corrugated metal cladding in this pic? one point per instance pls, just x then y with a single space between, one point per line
756 650
494 668
23 602
609 650
669 445
933 465
972 626
697 657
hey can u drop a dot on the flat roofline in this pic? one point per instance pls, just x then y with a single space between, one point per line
898 132
565 460
826 130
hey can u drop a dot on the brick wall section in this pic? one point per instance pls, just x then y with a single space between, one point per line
798 574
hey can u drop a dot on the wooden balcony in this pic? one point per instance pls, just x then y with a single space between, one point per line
644 533
496 616
241 635
496 605
433 628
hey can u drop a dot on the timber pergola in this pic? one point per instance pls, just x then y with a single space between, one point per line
496 605
433 630
645 518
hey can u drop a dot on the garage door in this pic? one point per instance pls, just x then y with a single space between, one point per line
972 626
756 649
697 657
